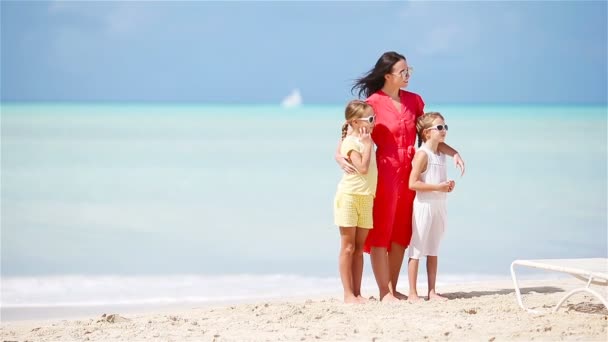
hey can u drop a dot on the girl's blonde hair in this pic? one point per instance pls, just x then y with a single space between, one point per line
425 121
355 109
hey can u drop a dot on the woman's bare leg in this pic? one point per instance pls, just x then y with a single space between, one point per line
379 257
395 260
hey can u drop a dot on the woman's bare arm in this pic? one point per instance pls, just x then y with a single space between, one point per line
343 162
447 149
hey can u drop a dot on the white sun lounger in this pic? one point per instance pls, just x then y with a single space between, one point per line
592 271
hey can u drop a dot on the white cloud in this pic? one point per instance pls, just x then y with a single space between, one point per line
56 6
130 18
111 18
441 28
441 39
88 28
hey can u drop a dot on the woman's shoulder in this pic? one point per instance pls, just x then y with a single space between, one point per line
375 97
407 96
410 95
412 98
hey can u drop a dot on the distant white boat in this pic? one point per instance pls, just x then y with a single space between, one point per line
292 100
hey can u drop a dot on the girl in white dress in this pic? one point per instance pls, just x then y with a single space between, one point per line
429 180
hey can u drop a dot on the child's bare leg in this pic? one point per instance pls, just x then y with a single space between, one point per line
395 260
380 267
347 250
412 272
357 268
431 269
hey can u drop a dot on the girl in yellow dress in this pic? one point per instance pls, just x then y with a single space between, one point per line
355 196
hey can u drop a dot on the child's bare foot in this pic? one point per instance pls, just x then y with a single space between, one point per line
350 300
389 298
435 296
413 298
361 299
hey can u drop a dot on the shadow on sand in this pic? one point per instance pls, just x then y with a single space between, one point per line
524 290
586 307
583 307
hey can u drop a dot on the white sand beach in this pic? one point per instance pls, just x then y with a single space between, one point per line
475 311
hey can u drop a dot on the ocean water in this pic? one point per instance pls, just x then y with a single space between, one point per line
119 204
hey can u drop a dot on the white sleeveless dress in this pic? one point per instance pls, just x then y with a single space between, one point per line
430 214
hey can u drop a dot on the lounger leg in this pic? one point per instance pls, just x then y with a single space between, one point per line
517 292
582 289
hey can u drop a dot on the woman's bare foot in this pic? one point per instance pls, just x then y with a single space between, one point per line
361 299
413 298
435 296
400 295
389 298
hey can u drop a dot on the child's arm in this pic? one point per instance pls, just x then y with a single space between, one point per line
447 149
419 165
343 162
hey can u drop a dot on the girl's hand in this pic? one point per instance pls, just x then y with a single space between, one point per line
444 186
346 166
365 136
459 163
452 185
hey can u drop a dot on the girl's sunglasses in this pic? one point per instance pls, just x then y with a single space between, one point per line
369 119
439 127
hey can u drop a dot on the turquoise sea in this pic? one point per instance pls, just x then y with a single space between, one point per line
107 204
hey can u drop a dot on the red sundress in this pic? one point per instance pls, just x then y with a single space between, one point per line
394 135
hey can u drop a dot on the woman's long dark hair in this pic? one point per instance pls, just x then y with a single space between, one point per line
374 79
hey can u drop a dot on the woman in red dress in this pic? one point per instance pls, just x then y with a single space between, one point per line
394 134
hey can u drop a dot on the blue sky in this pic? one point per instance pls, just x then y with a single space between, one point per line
257 52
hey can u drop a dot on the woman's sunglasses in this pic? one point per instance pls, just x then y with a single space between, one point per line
369 119
439 127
